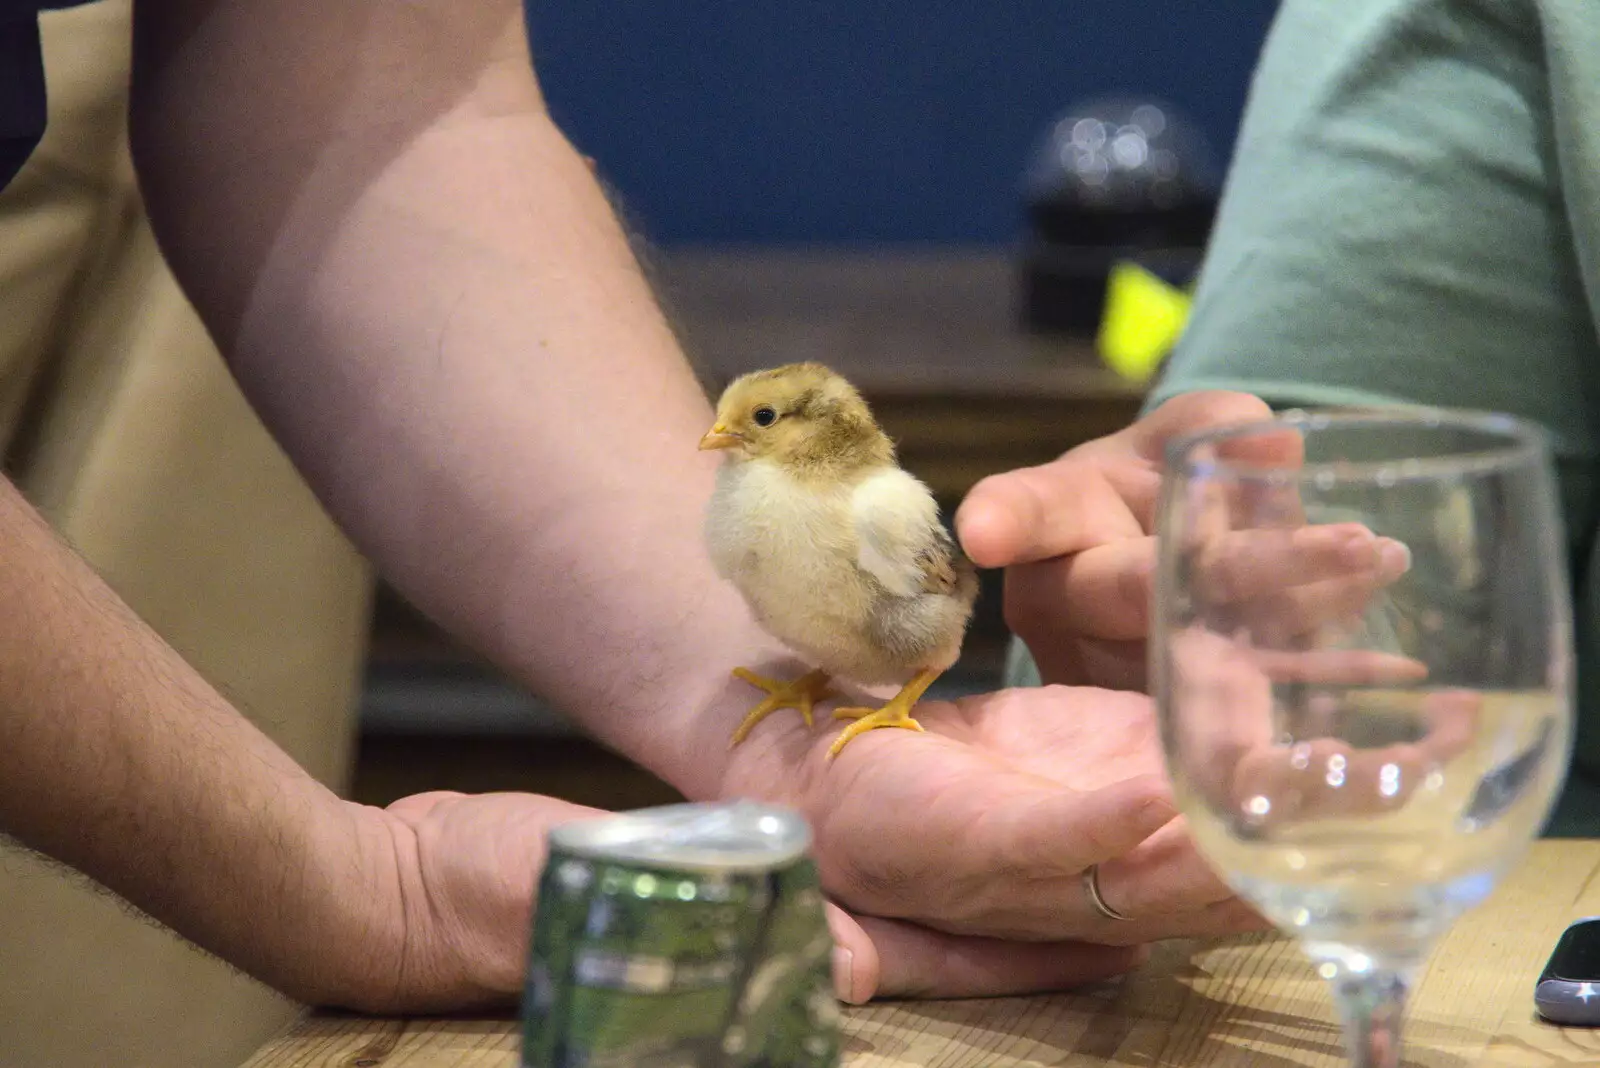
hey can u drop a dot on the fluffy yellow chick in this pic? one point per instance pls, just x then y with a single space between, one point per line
839 553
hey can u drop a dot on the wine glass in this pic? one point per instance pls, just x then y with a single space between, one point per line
1362 659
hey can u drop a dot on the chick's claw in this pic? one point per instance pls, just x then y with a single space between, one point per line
867 719
896 712
801 694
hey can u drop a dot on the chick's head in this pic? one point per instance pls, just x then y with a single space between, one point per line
802 415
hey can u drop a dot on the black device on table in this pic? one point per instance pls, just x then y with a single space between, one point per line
1568 991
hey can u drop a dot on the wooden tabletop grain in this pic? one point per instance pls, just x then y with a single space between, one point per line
1245 1002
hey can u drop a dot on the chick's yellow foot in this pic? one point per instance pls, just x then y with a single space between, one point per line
896 712
800 694
867 719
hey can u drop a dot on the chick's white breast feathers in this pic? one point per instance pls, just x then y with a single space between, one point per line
900 541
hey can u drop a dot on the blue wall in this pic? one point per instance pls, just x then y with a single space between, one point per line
879 120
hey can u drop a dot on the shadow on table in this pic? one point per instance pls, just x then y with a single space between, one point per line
1188 1006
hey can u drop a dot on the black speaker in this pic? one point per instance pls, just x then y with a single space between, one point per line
1112 179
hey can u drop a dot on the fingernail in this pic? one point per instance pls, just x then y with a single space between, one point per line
1356 544
1396 556
843 966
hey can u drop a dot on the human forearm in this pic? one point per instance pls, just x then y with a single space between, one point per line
430 300
117 759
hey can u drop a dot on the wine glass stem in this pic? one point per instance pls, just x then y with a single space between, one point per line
1371 1006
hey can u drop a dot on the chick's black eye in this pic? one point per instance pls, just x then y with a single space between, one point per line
764 416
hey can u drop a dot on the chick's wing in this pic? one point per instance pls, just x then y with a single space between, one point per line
900 541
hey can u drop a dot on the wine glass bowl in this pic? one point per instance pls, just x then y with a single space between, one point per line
1361 655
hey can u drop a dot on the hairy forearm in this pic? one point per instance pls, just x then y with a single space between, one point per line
420 284
116 758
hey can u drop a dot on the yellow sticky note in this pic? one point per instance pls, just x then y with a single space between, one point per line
1144 316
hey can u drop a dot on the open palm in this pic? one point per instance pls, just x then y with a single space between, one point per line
984 824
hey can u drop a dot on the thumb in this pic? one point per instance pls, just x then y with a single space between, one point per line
1037 513
1098 493
1068 830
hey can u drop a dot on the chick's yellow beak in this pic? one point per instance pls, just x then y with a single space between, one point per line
719 438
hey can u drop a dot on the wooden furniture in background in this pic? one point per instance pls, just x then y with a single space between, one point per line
1243 1002
931 338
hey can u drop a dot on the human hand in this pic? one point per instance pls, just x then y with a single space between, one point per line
1077 539
975 834
468 868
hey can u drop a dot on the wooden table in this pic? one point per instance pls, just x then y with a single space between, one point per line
1247 1002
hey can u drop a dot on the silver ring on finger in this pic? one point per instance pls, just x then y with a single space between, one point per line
1091 889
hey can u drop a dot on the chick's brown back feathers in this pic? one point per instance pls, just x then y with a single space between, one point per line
947 569
926 629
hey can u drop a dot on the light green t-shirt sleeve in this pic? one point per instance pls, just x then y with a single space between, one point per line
1413 216
1394 226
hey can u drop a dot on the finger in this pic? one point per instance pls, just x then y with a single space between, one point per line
853 982
1066 657
1086 617
1297 613
1266 455
1224 674
1222 697
1245 565
1116 665
1065 831
1035 513
417 806
1191 413
1165 875
1300 579
1097 493
1058 909
1241 478
1338 667
1104 592
1220 919
893 958
989 852
1196 413
1282 584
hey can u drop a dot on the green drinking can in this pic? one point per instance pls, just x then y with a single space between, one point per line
686 936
